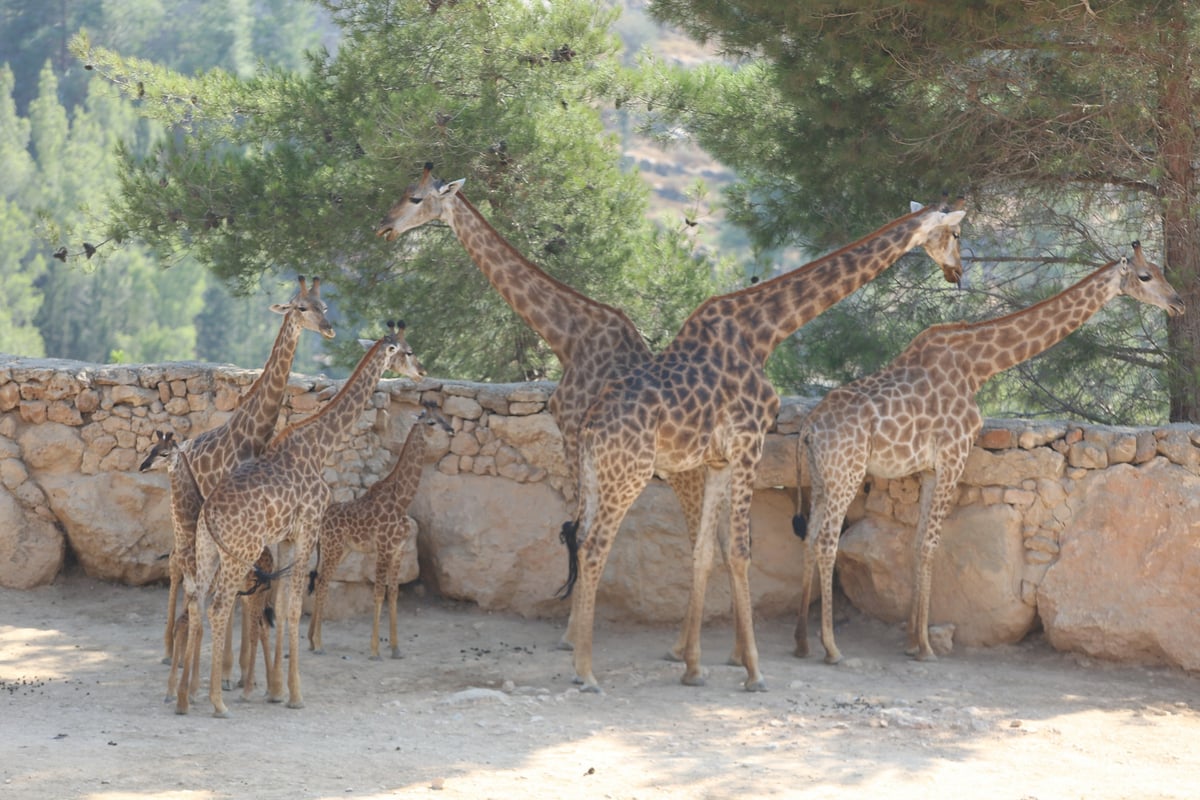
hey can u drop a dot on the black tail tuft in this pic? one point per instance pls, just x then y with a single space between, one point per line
312 581
269 616
800 526
569 537
262 579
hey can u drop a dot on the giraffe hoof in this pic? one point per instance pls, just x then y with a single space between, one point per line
166 660
563 644
226 685
396 655
274 699
295 704
673 656
755 685
222 714
734 660
375 657
693 680
801 650
591 688
320 651
181 710
833 658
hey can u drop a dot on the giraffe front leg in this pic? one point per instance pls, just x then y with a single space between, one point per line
294 601
227 653
393 592
702 558
800 633
380 592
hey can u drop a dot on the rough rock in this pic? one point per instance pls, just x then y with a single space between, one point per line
31 549
126 542
977 572
1126 585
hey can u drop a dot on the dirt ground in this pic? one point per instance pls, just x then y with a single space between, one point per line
481 706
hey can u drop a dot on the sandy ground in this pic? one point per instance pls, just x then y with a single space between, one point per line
482 706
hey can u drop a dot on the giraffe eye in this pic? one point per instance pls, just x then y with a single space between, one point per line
1145 277
416 201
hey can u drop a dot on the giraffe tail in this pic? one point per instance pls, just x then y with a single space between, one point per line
262 579
570 537
800 518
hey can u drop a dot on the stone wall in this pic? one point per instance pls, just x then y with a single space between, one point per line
1090 533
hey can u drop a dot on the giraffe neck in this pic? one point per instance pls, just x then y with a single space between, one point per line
253 421
330 426
992 346
564 318
402 482
761 316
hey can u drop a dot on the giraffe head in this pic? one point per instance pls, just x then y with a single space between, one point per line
432 417
165 444
401 358
1144 281
939 234
308 304
424 201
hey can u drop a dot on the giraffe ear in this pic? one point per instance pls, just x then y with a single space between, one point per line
452 187
367 344
280 308
914 206
954 218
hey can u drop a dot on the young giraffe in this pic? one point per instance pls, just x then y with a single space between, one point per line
214 453
376 522
280 496
186 502
705 403
919 415
594 342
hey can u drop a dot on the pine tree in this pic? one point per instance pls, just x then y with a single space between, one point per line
1071 127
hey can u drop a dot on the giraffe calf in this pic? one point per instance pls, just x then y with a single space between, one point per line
375 523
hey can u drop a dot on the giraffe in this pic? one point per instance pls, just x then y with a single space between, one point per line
705 404
377 523
280 496
594 342
919 415
186 502
243 436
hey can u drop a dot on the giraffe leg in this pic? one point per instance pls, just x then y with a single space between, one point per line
175 572
302 547
332 551
227 652
393 595
251 621
702 558
178 654
937 493
689 489
275 671
740 493
220 613
800 634
838 470
191 656
379 590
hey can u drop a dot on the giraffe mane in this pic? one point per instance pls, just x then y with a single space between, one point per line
557 283
762 286
960 325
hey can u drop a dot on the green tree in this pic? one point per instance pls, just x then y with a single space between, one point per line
1071 127
287 172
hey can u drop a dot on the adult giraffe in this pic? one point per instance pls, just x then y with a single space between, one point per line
594 342
918 415
705 404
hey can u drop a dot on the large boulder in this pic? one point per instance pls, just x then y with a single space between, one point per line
490 542
118 523
977 571
1126 585
32 549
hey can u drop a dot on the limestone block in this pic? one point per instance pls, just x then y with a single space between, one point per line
977 572
778 465
126 542
1126 583
536 437
51 447
1010 467
31 549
